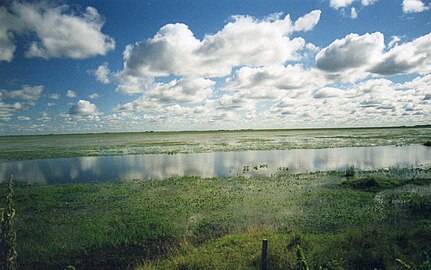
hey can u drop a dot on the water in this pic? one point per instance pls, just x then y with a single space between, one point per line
218 164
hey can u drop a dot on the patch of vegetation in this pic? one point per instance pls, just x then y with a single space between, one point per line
355 248
8 252
197 223
350 172
427 143
371 183
378 183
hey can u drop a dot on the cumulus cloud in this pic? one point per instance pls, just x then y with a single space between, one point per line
18 100
394 41
368 2
27 93
345 3
272 81
328 92
374 101
102 73
141 104
353 51
84 109
54 96
340 3
409 57
44 117
93 96
60 31
243 41
7 46
355 55
7 110
413 6
185 90
71 94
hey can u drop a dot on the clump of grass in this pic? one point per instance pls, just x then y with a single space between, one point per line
418 203
8 252
301 260
372 183
427 143
378 183
350 171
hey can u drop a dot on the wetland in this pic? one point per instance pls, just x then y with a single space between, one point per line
350 198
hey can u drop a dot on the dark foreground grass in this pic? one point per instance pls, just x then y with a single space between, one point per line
195 223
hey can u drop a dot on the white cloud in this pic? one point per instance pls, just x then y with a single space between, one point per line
243 41
368 2
271 81
353 13
93 96
394 41
340 3
413 6
23 118
84 109
102 73
28 94
141 104
345 3
308 21
351 52
7 110
410 57
355 57
7 47
44 117
372 102
175 92
71 94
60 31
328 92
54 96
183 90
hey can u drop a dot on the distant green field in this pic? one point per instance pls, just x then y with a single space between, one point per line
58 146
196 223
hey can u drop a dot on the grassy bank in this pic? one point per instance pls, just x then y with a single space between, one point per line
195 223
59 146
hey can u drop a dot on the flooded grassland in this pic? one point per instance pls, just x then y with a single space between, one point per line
60 146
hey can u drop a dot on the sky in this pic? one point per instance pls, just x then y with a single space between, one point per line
125 66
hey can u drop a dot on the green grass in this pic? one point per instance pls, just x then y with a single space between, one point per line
196 223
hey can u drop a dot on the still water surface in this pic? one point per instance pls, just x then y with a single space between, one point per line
218 164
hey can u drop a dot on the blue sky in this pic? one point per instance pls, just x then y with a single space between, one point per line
109 66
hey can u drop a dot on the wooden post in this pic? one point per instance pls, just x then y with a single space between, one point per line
264 261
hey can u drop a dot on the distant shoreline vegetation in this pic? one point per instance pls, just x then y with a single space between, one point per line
219 130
